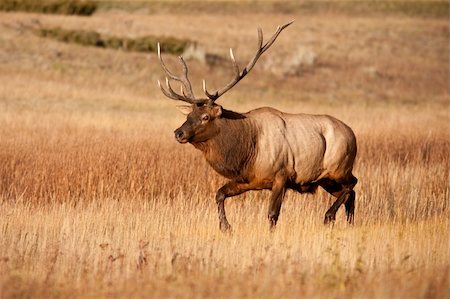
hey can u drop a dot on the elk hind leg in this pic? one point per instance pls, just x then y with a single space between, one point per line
350 207
345 194
350 202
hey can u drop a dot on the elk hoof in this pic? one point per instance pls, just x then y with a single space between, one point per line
225 227
329 218
273 224
350 219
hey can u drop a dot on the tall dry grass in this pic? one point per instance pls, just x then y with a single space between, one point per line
98 200
98 213
72 165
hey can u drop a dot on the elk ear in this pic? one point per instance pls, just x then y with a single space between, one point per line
185 109
217 110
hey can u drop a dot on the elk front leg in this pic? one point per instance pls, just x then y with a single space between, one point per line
230 189
220 200
276 199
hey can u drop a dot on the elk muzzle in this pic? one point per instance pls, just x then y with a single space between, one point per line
181 136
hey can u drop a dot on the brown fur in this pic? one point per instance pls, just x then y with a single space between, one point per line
232 150
268 149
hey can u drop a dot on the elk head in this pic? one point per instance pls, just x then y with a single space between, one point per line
200 123
203 112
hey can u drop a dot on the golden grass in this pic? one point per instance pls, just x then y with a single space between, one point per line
174 249
98 200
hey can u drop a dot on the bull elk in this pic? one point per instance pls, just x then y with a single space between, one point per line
265 148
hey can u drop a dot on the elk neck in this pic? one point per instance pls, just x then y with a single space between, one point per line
232 150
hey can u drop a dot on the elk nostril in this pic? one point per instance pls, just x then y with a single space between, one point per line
179 134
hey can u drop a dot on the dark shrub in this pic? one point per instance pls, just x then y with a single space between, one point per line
91 38
67 7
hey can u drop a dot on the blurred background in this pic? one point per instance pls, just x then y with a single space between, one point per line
98 56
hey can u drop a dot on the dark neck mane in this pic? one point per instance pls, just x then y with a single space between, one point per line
231 152
228 114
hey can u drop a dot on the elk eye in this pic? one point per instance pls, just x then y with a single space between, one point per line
205 117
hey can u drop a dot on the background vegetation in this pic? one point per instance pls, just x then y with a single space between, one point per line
67 7
97 199
432 9
139 44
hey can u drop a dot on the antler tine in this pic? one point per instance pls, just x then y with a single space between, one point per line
269 43
185 80
166 70
169 88
258 52
235 65
275 35
187 96
165 92
244 72
215 95
171 94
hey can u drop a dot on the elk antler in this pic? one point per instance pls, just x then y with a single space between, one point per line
187 94
239 75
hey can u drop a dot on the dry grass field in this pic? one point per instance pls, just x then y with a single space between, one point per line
98 200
